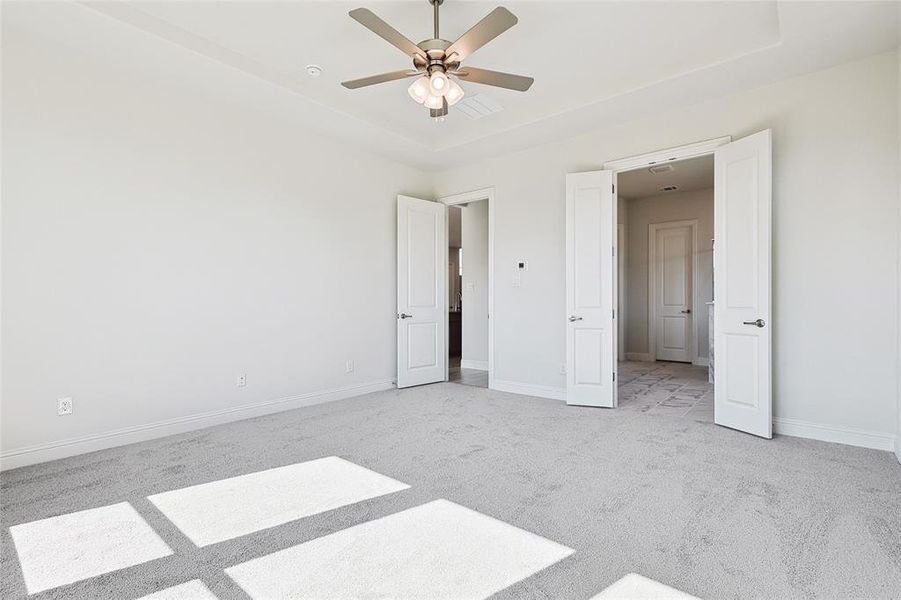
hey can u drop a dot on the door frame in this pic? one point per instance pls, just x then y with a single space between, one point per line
653 228
484 194
665 155
622 250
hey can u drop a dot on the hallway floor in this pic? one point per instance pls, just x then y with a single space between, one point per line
471 377
677 390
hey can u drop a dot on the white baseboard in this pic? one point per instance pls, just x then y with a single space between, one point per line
642 356
530 389
29 455
832 433
478 365
702 361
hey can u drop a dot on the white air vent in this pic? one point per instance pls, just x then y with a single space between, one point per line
669 188
658 169
478 106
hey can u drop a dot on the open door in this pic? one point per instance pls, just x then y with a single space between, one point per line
590 289
741 272
421 292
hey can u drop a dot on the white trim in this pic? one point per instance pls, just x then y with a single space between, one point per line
622 299
641 356
29 455
833 433
476 196
476 365
652 284
669 155
530 389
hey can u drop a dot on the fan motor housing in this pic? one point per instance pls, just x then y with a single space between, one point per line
435 51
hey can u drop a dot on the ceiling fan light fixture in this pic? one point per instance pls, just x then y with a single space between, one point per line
434 102
438 83
419 89
454 93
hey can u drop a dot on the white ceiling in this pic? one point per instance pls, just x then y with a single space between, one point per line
688 175
593 62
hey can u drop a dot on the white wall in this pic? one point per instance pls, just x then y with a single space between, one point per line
835 206
475 283
454 226
660 209
157 243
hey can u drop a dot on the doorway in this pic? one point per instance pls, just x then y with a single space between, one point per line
668 215
742 223
470 335
666 286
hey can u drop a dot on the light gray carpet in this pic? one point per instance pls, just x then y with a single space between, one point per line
713 512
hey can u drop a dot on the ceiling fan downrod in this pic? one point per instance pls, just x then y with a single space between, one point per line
435 5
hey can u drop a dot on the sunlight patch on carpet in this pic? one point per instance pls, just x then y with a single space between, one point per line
228 508
436 550
68 548
637 587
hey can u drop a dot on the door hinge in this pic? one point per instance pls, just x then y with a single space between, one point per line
614 314
613 187
614 376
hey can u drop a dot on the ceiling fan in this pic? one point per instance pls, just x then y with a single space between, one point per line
436 60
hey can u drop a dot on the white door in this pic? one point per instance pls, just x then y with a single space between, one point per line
673 249
590 289
741 264
421 292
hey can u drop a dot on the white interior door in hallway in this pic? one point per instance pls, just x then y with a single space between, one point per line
671 325
421 292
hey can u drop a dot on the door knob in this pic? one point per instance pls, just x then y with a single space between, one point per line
574 318
757 322
405 316
685 312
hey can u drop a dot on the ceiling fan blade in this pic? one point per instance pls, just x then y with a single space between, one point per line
495 78
497 22
382 78
370 21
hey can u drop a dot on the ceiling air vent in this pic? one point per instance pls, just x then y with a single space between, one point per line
658 169
478 106
669 188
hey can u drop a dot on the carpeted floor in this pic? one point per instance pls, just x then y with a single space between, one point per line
713 512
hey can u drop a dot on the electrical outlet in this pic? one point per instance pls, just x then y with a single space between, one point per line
242 380
64 406
563 368
349 366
